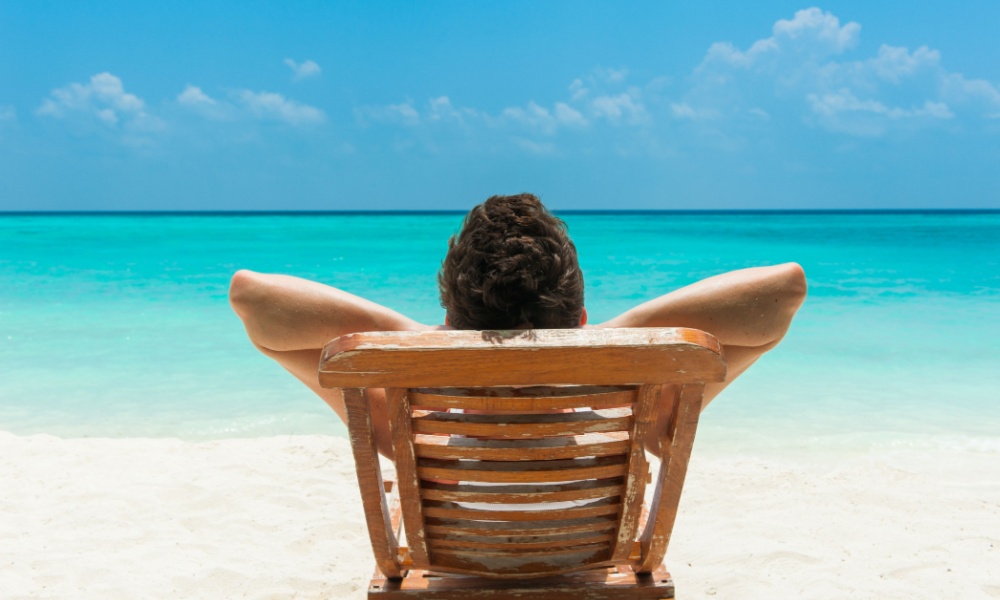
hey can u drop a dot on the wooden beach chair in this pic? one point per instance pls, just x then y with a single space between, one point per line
521 457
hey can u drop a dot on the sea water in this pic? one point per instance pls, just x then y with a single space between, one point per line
118 325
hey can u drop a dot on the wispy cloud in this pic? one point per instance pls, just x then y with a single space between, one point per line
194 96
103 104
268 106
803 70
102 99
626 107
273 106
543 120
600 96
305 70
7 114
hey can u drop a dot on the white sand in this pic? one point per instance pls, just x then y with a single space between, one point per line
280 517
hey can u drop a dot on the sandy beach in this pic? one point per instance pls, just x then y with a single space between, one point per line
280 517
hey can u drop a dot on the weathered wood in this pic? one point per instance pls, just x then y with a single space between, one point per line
406 471
521 426
522 471
520 542
600 584
522 357
522 563
462 527
377 516
670 480
451 510
522 494
523 399
610 443
635 482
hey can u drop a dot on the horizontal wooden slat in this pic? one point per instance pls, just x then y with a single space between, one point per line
521 494
521 563
590 444
522 471
455 528
526 399
521 542
521 357
538 512
523 426
517 553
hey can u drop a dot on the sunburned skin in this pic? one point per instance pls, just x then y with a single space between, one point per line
290 320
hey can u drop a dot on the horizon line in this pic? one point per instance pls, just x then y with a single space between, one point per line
431 212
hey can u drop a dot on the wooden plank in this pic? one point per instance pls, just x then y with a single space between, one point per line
594 584
522 357
610 443
453 529
406 471
670 480
451 510
523 399
522 426
521 542
521 494
647 404
377 516
522 563
522 471
516 554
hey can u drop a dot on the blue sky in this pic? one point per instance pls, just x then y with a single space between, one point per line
367 105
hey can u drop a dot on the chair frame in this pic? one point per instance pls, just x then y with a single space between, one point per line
665 366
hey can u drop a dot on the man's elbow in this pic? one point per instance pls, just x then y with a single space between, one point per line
243 289
792 289
794 284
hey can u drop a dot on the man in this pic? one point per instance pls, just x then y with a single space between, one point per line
512 266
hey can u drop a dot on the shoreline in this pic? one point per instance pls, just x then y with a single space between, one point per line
281 516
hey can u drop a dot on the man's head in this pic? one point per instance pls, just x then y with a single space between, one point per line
512 266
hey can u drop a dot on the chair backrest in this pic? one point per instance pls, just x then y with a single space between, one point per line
523 453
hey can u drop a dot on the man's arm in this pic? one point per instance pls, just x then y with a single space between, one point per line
284 313
749 311
290 320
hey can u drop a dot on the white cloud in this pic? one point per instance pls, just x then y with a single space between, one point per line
103 92
193 96
195 99
893 64
842 111
619 108
818 26
438 110
7 114
567 115
801 67
542 119
441 109
272 106
533 116
103 99
304 70
810 35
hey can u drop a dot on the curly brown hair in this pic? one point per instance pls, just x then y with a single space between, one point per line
511 266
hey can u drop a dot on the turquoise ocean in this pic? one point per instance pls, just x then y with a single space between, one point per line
118 325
